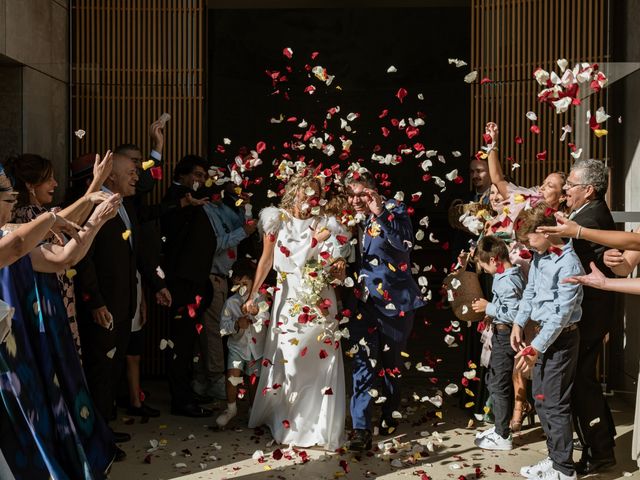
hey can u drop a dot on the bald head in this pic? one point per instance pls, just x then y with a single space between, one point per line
124 176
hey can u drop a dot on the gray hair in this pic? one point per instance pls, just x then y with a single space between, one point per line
595 173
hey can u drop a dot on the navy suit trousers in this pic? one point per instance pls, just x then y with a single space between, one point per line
385 338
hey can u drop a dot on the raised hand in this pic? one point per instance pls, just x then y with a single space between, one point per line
97 197
565 228
595 279
101 169
106 210
491 129
373 201
163 297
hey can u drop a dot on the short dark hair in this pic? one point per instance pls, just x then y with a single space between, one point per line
187 165
361 175
124 148
491 246
542 215
244 267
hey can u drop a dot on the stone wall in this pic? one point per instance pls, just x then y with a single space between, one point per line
34 81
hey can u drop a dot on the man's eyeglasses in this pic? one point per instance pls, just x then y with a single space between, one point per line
569 185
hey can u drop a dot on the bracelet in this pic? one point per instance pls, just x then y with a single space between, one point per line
579 232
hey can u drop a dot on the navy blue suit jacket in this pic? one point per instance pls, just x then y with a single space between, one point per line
385 263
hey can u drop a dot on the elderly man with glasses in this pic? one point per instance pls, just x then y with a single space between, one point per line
585 189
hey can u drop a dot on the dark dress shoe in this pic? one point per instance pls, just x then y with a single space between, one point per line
360 441
143 410
120 455
589 465
191 410
387 427
121 437
202 398
577 445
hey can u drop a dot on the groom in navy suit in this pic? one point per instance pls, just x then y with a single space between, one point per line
387 298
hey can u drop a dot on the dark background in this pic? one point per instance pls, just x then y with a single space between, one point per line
357 46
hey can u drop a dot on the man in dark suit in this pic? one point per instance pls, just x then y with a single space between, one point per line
585 189
192 293
106 284
189 176
388 297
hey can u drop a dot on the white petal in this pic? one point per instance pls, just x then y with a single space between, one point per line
471 77
532 116
392 69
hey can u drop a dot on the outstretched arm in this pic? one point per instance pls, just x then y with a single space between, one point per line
262 270
596 279
609 238
50 258
495 169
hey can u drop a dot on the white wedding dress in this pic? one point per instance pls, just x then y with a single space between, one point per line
301 393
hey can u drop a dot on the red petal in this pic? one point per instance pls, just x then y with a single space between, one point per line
401 94
519 140
542 155
260 147
535 129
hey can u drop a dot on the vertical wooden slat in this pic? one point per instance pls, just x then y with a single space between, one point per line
131 62
510 39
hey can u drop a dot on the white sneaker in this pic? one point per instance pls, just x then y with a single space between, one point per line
493 441
554 474
537 469
226 416
485 432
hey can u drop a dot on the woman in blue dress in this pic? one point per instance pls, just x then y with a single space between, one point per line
48 425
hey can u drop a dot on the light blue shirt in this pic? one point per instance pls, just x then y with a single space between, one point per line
507 291
228 226
545 300
124 216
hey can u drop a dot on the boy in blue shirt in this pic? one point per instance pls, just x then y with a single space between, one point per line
553 353
492 255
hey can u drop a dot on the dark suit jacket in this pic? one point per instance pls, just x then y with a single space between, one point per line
107 274
174 222
597 304
388 241
192 259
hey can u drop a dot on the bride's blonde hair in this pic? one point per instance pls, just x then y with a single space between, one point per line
300 181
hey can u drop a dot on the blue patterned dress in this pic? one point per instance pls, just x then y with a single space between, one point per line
49 427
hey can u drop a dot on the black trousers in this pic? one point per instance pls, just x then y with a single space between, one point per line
501 381
180 358
103 354
591 413
553 380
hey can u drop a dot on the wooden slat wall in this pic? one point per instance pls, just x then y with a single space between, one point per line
510 39
132 61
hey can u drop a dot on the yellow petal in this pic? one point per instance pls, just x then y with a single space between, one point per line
294 341
70 273
404 354
519 198
600 132
239 202
486 410
208 182
472 365
469 404
391 267
148 164
439 415
469 392
126 234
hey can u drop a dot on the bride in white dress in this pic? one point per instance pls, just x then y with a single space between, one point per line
301 393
